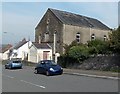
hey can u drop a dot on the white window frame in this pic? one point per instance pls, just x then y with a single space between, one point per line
93 37
105 37
78 37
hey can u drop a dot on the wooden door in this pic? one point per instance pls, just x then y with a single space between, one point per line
45 55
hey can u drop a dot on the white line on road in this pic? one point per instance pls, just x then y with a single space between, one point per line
96 76
33 84
25 81
8 76
115 78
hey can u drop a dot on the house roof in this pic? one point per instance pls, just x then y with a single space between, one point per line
5 48
21 43
41 45
78 20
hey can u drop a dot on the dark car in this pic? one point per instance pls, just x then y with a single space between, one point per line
48 67
13 64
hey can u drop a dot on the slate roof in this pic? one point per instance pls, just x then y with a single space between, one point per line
5 48
78 20
21 43
41 45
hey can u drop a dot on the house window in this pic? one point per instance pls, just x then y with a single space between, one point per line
47 26
47 31
46 36
105 37
39 38
78 37
93 37
48 21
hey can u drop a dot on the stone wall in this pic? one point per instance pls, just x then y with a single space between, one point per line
99 63
53 25
69 33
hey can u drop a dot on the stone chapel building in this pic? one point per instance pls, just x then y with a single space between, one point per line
64 27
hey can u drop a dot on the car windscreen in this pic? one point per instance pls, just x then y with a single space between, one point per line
49 62
16 61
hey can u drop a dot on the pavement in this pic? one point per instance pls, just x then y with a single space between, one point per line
93 73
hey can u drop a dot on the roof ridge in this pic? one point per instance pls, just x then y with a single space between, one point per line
55 14
78 20
73 13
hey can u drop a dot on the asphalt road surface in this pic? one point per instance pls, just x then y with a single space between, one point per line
24 80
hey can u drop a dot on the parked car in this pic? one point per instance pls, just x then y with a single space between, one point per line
13 64
48 67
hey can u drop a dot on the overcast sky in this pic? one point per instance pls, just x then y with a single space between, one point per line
20 19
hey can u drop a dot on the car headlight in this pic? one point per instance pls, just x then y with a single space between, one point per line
61 68
51 69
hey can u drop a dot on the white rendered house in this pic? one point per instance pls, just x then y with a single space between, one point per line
21 50
38 52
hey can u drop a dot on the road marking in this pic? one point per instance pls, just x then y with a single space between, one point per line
25 81
8 76
14 70
97 76
116 78
33 84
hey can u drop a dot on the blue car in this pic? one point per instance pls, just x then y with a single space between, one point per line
13 64
48 67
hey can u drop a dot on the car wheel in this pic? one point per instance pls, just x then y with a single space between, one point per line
10 67
47 73
36 71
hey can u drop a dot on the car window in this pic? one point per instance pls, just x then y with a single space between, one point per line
16 61
38 65
50 62
42 62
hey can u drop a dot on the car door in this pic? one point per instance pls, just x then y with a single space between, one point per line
43 67
39 68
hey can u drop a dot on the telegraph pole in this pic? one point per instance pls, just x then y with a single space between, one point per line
54 43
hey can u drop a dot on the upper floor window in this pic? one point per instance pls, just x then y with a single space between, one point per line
48 21
39 38
93 37
46 35
105 37
78 37
47 27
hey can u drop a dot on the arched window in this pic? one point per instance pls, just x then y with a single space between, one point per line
39 38
48 20
93 37
47 31
105 37
46 36
78 37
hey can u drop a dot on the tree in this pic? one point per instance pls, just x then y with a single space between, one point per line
115 40
74 43
80 53
98 46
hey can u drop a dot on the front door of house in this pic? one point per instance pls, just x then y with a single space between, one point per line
45 55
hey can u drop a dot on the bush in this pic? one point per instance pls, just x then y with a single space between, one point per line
99 47
66 61
80 53
75 55
115 69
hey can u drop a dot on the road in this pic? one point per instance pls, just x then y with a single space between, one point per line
24 80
